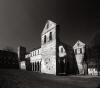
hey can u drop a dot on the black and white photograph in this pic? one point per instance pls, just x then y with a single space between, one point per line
49 44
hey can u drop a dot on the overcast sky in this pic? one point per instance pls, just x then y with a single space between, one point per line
22 21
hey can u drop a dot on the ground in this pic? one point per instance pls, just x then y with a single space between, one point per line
27 79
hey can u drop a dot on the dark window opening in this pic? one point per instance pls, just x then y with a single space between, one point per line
62 50
47 25
75 51
50 36
62 65
80 50
45 39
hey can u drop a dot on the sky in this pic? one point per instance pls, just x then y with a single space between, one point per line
22 21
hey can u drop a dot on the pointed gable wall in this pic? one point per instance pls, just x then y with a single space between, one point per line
48 48
79 50
49 25
78 44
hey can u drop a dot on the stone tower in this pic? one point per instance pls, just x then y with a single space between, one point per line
79 50
49 48
21 57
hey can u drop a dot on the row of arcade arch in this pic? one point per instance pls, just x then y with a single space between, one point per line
36 66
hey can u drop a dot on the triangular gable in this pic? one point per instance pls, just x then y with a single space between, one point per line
49 25
79 44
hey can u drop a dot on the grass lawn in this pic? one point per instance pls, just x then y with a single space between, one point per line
27 79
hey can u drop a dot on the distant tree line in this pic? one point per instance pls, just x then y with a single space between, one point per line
8 59
92 53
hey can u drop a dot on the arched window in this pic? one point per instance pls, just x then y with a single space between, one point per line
61 49
80 50
75 51
50 36
45 39
47 25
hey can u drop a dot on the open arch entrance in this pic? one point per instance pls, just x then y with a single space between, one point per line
36 66
62 66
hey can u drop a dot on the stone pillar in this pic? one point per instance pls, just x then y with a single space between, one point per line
32 66
40 66
35 67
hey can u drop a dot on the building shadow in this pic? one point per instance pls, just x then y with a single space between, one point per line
98 86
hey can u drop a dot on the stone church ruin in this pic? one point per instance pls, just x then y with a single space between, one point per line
54 56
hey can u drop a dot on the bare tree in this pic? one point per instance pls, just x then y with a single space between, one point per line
95 49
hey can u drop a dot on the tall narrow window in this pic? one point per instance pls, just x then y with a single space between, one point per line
47 25
45 39
38 51
50 36
75 51
62 50
80 50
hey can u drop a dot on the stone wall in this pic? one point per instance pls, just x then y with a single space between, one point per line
48 52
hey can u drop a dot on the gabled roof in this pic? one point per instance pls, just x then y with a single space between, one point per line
78 44
49 25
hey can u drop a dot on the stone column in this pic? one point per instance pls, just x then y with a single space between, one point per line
32 66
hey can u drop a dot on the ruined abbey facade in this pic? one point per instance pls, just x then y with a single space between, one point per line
54 56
